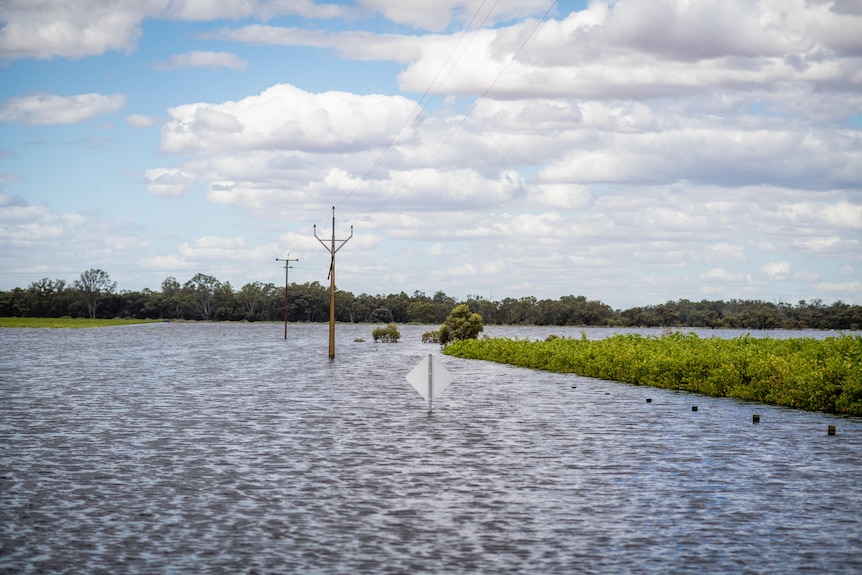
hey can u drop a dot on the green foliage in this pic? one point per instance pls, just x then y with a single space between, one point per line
804 373
92 286
432 336
389 334
381 315
205 297
461 324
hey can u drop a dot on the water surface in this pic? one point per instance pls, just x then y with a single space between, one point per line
218 448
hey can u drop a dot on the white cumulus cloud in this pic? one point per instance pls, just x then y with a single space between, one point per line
286 117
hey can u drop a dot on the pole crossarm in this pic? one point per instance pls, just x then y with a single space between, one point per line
332 250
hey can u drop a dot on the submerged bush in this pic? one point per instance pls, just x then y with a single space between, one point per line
805 373
388 334
461 324
431 336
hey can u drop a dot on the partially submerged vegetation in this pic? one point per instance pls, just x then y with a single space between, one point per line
388 334
805 373
68 322
461 324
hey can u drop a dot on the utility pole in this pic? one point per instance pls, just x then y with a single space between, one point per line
287 266
332 249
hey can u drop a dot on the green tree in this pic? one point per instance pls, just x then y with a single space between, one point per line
254 300
92 286
47 298
382 315
461 324
203 290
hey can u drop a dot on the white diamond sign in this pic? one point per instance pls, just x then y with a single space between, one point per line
430 377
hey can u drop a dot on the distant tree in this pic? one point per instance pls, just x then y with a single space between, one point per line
202 290
48 298
461 324
171 300
92 286
381 315
254 299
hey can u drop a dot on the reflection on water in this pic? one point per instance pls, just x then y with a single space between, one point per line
177 448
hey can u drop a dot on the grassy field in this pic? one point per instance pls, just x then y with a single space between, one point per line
805 373
67 322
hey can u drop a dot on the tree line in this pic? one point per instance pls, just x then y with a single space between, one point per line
203 297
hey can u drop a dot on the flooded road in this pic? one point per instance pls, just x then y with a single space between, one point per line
218 448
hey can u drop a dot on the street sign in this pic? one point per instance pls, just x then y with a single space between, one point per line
430 377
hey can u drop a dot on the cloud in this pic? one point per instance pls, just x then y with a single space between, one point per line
48 109
439 14
213 248
201 59
851 289
79 28
624 50
723 275
141 121
776 270
818 244
168 183
286 117
51 239
71 29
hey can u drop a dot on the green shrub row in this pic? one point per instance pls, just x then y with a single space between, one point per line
804 373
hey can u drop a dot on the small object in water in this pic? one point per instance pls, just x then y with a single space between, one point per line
649 400
755 418
694 408
830 430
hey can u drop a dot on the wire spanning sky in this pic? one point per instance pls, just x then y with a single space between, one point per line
633 152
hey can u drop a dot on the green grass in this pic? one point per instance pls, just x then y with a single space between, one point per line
67 322
804 373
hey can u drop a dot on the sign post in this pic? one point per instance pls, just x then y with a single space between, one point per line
430 377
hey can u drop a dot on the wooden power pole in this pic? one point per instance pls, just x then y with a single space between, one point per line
287 266
332 249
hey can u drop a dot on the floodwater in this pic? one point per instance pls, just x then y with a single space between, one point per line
217 448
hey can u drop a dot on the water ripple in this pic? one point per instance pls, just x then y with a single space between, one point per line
213 448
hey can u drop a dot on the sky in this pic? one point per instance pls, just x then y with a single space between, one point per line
633 152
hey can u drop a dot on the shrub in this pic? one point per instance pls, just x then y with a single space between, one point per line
388 334
802 373
461 324
431 336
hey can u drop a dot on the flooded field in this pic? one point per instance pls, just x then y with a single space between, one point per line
216 448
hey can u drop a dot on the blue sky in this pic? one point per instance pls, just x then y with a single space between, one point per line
631 152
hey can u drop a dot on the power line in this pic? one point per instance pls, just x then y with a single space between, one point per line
471 110
423 102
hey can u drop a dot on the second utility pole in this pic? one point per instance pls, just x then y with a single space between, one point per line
287 266
332 250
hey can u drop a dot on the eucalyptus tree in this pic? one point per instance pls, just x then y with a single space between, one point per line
203 291
92 286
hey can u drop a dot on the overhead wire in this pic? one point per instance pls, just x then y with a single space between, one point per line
431 91
423 102
470 110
